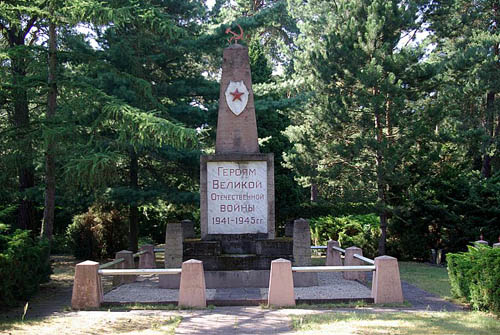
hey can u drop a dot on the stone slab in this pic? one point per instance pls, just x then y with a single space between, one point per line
243 221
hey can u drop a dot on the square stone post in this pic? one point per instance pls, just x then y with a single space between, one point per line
147 259
87 286
386 284
192 291
127 264
301 243
281 291
333 256
173 254
351 260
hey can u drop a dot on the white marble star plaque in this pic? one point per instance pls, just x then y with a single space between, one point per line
236 96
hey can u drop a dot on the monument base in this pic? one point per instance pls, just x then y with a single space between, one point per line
241 279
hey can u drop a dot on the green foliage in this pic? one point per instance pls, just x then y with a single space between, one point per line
98 233
475 277
24 265
446 209
352 230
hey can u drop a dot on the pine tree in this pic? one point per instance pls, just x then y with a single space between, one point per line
356 128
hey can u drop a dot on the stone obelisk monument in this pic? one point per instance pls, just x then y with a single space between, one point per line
238 238
237 183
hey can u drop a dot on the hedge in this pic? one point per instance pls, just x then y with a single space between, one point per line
24 265
475 277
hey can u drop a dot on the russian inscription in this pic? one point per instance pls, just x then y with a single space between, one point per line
237 197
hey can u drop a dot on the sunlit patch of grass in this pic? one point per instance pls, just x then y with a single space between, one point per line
397 323
109 323
430 278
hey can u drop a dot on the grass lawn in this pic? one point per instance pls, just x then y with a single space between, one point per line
96 323
397 323
430 278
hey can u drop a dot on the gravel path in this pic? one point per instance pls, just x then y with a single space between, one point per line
332 287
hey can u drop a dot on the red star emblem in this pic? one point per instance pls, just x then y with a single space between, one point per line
237 95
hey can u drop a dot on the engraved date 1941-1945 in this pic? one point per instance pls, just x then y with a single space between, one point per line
237 220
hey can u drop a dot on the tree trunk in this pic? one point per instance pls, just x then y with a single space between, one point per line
26 211
490 120
381 183
133 209
50 165
314 192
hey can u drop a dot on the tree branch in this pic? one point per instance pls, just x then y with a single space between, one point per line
29 25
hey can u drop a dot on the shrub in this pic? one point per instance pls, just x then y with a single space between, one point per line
24 265
353 230
98 233
475 276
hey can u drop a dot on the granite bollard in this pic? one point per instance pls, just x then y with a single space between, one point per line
281 291
333 256
192 291
128 263
173 254
351 260
301 243
147 259
386 284
87 286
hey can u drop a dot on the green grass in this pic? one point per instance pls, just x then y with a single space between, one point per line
430 278
397 323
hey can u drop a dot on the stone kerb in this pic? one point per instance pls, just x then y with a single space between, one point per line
351 260
281 291
87 286
174 236
128 263
147 259
333 256
301 243
386 284
192 291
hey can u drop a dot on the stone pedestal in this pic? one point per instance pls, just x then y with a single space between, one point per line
281 291
147 259
496 245
333 256
386 284
351 260
192 291
128 256
301 243
87 287
173 254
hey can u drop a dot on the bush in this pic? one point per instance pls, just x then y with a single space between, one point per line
475 276
24 265
353 230
97 234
